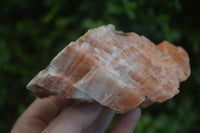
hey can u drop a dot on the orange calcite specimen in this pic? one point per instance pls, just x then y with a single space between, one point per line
118 70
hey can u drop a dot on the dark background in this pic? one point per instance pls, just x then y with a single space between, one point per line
32 32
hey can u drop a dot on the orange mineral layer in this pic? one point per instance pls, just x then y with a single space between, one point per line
118 70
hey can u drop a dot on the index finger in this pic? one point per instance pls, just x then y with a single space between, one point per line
39 114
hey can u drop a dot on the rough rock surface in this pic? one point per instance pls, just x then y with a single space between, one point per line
118 70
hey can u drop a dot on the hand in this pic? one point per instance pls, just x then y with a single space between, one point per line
56 115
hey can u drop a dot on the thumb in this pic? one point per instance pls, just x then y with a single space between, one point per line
74 118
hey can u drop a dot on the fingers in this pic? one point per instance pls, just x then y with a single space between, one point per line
74 118
102 122
50 115
38 115
127 122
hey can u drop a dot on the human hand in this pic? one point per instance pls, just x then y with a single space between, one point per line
56 115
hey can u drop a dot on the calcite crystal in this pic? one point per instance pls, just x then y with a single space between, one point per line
118 70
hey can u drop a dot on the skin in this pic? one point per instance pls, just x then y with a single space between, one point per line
56 115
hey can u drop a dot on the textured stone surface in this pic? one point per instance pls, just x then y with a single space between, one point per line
118 70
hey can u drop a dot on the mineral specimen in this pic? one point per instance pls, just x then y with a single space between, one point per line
118 70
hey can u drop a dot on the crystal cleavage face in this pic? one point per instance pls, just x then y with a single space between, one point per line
118 70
